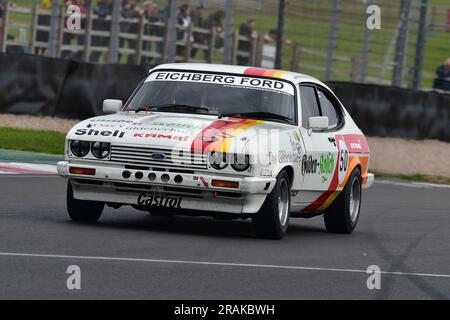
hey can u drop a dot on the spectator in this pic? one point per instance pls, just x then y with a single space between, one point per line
43 20
129 11
247 30
215 22
442 80
151 14
99 23
198 21
271 37
184 21
162 15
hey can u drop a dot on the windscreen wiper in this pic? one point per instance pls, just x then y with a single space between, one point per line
146 109
177 106
259 114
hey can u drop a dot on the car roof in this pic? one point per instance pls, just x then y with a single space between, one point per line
244 70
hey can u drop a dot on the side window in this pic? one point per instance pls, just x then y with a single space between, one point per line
329 109
309 105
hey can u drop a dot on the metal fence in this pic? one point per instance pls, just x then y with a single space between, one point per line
328 39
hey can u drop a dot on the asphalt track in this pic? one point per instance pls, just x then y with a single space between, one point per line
403 229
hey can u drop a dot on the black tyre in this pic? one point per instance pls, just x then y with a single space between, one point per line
81 210
272 220
342 216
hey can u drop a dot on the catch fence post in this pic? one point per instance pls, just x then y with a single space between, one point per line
53 34
228 33
420 46
172 33
188 45
295 63
332 41
280 34
211 45
365 50
401 47
4 28
138 52
115 30
61 25
34 16
87 39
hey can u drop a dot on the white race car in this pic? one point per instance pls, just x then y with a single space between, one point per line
223 141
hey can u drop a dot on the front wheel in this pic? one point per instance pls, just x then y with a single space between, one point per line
343 214
272 220
81 210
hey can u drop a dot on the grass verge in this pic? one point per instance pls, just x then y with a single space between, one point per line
53 142
32 140
414 178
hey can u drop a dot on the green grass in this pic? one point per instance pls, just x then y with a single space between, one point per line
31 140
53 142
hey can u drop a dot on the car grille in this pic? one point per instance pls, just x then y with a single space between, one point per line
157 157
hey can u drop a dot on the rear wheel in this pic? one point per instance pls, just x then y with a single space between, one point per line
272 220
81 210
343 214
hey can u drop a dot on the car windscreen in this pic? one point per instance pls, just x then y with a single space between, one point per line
215 94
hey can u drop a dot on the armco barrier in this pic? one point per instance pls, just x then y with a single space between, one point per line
396 112
30 84
45 86
55 87
87 85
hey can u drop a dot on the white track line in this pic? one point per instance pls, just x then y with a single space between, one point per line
224 264
413 184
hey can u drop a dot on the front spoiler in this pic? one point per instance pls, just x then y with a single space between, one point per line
252 191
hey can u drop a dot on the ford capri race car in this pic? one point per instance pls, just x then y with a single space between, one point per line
222 141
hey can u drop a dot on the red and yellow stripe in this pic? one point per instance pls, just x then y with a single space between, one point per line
220 135
261 72
360 159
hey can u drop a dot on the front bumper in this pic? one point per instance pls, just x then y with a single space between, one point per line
195 191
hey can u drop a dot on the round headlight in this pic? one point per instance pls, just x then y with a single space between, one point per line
218 160
100 150
240 162
79 148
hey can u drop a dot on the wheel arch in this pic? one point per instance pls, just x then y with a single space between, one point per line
290 172
355 162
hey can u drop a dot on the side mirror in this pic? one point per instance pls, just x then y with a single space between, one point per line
112 106
318 123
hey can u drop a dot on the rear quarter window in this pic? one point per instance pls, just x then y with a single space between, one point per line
329 109
309 105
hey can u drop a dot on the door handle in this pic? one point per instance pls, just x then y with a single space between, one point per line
332 140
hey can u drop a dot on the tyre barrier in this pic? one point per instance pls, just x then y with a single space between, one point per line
44 86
